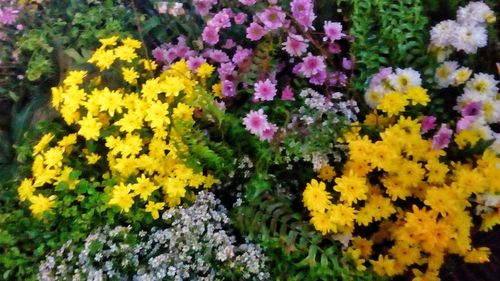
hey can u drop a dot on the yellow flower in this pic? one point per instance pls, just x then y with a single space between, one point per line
103 58
42 143
67 140
40 204
132 43
122 197
89 128
393 103
26 189
130 75
461 75
205 70
418 95
149 65
183 112
154 208
327 173
144 187
75 78
351 187
125 53
384 266
322 222
92 158
111 41
53 157
341 215
315 197
217 90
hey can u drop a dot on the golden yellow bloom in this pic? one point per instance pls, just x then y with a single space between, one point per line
40 204
26 189
130 75
89 128
393 103
154 208
315 197
42 143
351 187
122 197
327 173
205 70
418 95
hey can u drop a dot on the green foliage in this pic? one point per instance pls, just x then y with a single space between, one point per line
387 33
295 250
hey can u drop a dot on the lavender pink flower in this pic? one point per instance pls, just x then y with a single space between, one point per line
312 65
241 55
255 31
195 62
295 45
382 74
240 18
256 121
228 88
472 109
333 31
428 123
303 13
265 90
272 17
210 35
442 138
287 94
248 2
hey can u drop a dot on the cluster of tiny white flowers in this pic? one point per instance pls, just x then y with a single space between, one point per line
321 104
468 32
195 246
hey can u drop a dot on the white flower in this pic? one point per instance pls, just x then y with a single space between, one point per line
483 84
469 38
475 13
404 78
444 73
374 95
442 32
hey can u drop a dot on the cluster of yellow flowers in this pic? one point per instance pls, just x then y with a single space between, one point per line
136 131
419 205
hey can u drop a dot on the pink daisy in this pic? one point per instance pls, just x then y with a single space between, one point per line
272 17
256 122
428 123
265 90
333 31
295 45
442 138
268 133
312 65
287 94
210 35
255 31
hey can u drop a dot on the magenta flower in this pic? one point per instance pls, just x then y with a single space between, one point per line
255 31
303 12
272 17
346 63
333 31
472 109
295 45
240 18
8 16
202 7
210 35
265 90
465 122
226 71
195 62
220 20
318 78
268 133
256 122
442 138
428 123
228 88
229 44
217 56
287 94
334 48
241 55
312 65
248 2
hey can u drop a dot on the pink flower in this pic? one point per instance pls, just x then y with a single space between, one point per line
268 133
210 35
248 2
8 16
228 88
195 62
442 138
240 18
346 63
255 31
472 109
428 123
217 56
265 90
334 48
287 94
312 65
272 17
303 12
465 122
256 121
220 20
160 55
382 74
241 54
295 45
333 31
318 78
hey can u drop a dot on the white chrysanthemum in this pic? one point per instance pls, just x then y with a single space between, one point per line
484 131
444 73
468 97
474 13
404 78
461 76
491 111
483 84
442 32
374 95
469 38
